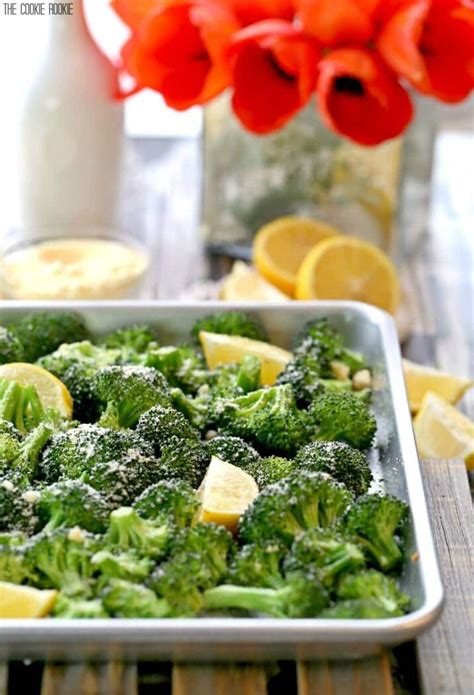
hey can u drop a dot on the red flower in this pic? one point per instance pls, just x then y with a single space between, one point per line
251 11
133 12
178 50
334 22
360 98
274 71
431 43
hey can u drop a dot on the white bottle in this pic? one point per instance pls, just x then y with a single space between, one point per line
71 137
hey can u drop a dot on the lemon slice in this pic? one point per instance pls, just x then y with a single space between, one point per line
52 392
227 349
244 284
348 268
441 431
225 494
280 247
419 380
25 602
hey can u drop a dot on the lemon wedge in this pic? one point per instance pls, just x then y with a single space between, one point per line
280 247
225 493
420 379
227 349
25 602
441 431
51 391
348 268
243 284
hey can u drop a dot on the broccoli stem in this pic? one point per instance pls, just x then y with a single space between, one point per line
385 551
269 601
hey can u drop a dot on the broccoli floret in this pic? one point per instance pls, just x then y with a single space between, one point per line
196 409
374 522
229 323
371 584
169 501
124 599
132 343
270 470
327 345
21 406
128 531
267 417
17 507
71 453
199 559
77 364
342 416
63 559
72 503
14 567
341 461
233 450
120 482
176 442
183 366
10 444
358 609
11 350
43 332
258 564
302 501
302 596
67 607
129 391
326 552
126 565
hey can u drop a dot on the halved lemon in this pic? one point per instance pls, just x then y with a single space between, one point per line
51 391
441 431
25 602
228 349
225 494
349 268
244 284
280 247
420 379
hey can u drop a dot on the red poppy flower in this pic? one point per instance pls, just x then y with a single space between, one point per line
431 43
274 69
251 11
360 98
178 50
334 22
133 12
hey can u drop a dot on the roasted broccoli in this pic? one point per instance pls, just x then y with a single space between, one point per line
43 332
70 454
14 567
11 350
21 406
77 364
299 502
124 599
233 450
341 461
229 323
183 366
371 584
128 531
17 507
270 470
343 416
196 409
72 503
128 392
121 481
268 417
327 345
325 551
76 607
357 609
302 596
169 501
374 522
127 565
63 559
258 564
132 343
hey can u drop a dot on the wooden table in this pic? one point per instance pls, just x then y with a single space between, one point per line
439 284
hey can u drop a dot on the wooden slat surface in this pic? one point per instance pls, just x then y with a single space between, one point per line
208 679
446 653
366 677
112 678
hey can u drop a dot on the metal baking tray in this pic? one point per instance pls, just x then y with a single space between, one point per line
394 461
